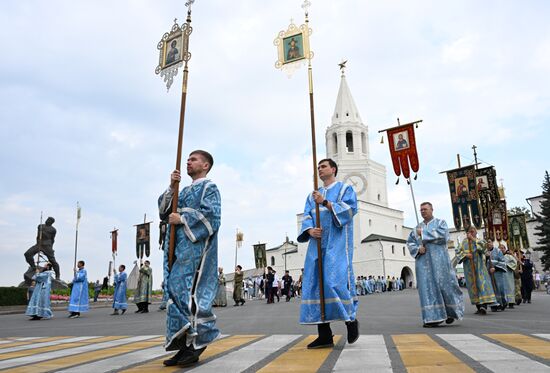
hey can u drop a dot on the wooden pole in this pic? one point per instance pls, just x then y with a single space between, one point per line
316 186
171 245
76 236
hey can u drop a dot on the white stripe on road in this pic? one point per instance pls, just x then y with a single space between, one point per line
119 362
24 339
544 336
367 354
491 355
244 358
44 344
31 359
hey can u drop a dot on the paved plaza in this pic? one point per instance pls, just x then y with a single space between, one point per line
267 338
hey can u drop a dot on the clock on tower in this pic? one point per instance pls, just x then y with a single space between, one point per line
357 181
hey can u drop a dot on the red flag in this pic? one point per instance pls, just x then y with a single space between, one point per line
403 152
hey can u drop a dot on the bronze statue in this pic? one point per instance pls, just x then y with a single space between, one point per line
44 243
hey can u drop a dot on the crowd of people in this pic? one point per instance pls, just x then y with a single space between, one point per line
193 282
371 284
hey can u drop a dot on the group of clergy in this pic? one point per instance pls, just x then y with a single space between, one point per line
495 276
39 306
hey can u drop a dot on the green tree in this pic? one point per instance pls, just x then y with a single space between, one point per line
520 210
543 229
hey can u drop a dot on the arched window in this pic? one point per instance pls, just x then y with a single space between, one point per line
272 260
335 142
370 222
379 196
393 249
349 141
404 251
395 227
363 142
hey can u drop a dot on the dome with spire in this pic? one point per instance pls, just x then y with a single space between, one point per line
345 109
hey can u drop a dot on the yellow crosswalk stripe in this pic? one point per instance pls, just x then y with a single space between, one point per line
533 346
59 363
422 354
299 359
212 350
23 343
61 346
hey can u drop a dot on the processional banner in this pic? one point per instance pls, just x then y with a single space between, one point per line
462 185
517 232
497 228
487 189
260 258
403 151
143 240
114 241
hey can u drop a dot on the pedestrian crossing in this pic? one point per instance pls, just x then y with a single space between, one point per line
283 353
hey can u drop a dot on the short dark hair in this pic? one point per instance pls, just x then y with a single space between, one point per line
81 262
239 267
148 262
331 163
123 266
427 203
206 156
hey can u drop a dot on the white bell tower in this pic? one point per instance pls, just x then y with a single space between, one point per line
347 143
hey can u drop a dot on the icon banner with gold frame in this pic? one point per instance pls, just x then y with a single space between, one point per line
293 48
173 52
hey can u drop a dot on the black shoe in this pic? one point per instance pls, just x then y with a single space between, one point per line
450 320
145 311
353 331
495 308
174 359
529 301
511 306
115 313
123 312
190 357
432 324
138 311
242 302
236 305
35 318
321 343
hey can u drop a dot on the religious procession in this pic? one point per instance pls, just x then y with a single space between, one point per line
432 268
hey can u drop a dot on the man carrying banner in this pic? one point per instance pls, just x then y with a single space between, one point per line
192 280
339 205
440 297
471 254
144 291
79 301
119 296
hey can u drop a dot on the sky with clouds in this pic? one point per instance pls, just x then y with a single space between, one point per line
84 118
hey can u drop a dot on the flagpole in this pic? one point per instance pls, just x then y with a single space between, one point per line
315 175
76 234
414 201
171 244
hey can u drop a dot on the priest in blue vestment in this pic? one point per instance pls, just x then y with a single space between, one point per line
337 204
192 282
119 297
503 293
39 305
440 296
79 301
